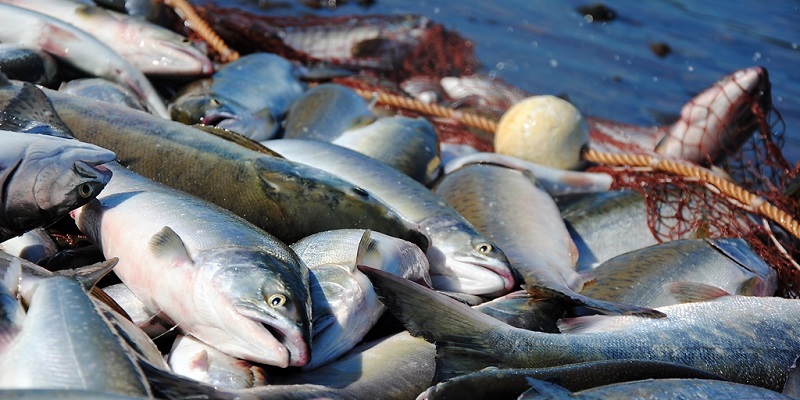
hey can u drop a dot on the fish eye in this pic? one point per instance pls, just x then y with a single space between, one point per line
276 300
483 248
85 190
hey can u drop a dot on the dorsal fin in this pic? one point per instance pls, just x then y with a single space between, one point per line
239 139
89 275
365 246
29 110
167 244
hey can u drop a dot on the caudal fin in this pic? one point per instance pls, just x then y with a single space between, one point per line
457 330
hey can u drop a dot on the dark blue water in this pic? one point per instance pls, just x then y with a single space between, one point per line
607 68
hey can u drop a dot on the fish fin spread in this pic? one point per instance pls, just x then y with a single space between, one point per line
89 275
545 390
237 138
752 287
29 110
693 292
792 386
457 330
200 361
586 324
604 307
166 243
365 245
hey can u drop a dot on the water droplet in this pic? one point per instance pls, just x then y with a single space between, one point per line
510 29
795 46
655 79
553 63
756 56
436 10
690 68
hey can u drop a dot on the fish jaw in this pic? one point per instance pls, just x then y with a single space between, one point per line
263 316
177 58
718 119
478 268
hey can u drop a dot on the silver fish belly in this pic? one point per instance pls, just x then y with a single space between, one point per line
214 275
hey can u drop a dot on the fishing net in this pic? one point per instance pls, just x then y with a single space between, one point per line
748 190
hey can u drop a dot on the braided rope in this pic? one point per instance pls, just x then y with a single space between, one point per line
742 197
435 110
188 13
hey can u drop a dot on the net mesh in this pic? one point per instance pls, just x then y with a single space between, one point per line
387 52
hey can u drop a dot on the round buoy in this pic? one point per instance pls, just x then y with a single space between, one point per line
545 130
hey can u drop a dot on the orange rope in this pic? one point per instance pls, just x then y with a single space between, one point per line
187 12
743 198
435 110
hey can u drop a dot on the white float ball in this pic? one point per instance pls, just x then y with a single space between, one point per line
545 130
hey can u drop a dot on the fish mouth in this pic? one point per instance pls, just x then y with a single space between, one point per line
473 275
220 119
285 332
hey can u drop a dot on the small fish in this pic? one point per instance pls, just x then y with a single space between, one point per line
150 48
410 145
325 112
461 259
45 177
196 360
526 223
345 306
249 96
76 48
655 389
639 277
715 336
213 274
83 354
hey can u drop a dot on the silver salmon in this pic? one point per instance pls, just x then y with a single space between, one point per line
461 259
743 339
213 274
44 177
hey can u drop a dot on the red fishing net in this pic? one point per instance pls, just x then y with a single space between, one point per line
387 52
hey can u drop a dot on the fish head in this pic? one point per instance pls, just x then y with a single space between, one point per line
208 109
63 174
462 260
262 304
176 56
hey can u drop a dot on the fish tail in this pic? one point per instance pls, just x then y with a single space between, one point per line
457 330
604 307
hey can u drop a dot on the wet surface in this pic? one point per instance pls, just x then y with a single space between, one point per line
634 62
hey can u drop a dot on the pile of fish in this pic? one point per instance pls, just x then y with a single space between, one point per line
249 234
